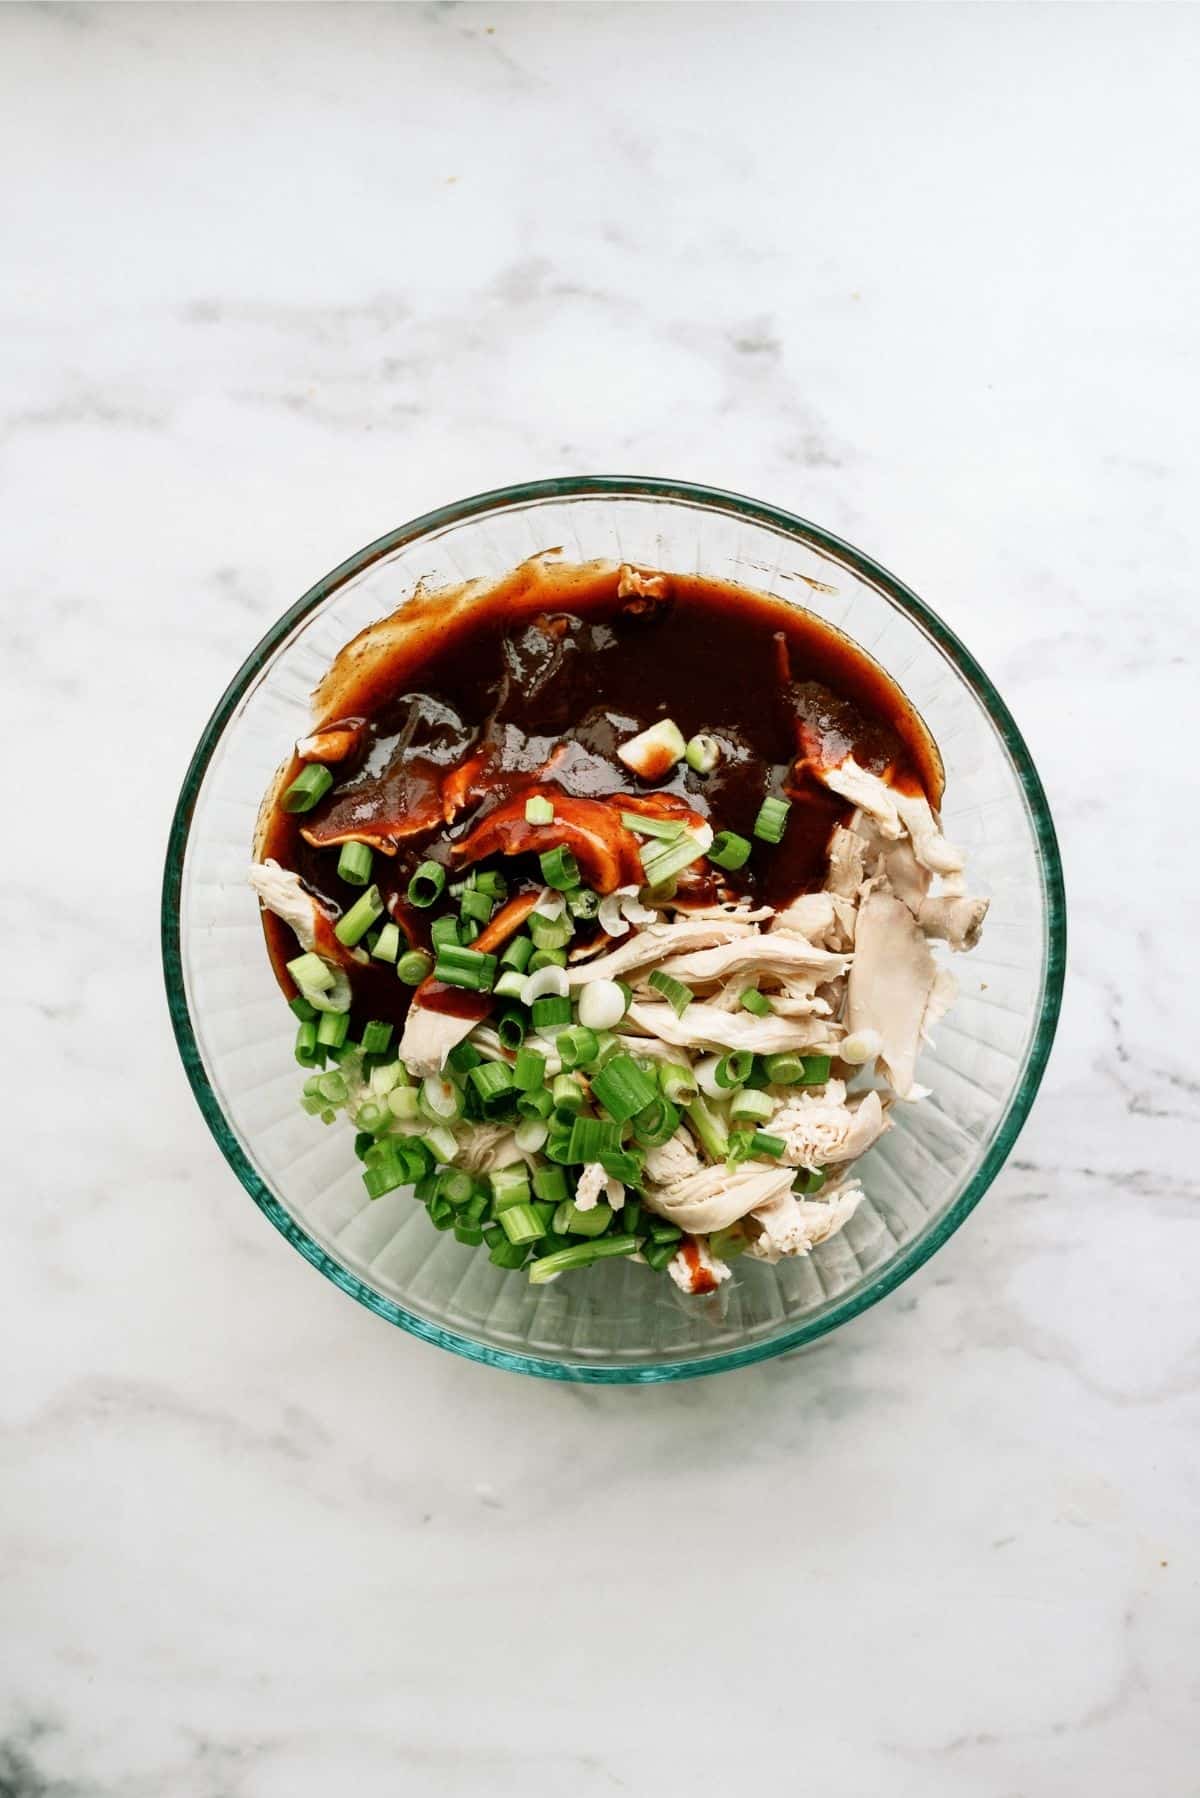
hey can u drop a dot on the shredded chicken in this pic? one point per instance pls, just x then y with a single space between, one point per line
788 1225
955 920
656 943
775 953
708 1027
429 1037
821 1127
890 983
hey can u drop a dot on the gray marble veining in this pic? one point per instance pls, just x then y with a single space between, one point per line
275 278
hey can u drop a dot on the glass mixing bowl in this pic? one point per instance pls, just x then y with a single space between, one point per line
617 1322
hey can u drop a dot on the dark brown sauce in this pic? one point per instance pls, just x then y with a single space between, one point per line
469 698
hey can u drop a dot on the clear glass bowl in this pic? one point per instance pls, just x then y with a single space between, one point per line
616 1322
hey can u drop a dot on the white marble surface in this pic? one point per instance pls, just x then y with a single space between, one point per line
274 280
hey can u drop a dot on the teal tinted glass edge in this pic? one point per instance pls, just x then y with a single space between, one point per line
1053 972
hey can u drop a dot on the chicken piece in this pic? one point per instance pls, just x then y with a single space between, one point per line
954 920
904 874
633 584
654 944
792 1226
718 1196
592 1182
708 1027
891 979
775 953
591 829
736 909
674 1160
429 1037
487 1147
281 892
847 852
820 1128
942 997
929 845
695 1269
812 915
865 790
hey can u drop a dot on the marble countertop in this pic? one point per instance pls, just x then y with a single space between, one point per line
274 280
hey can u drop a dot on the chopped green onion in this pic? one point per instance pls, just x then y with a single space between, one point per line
664 861
567 1093
581 1254
468 930
307 788
783 1070
757 1003
469 1234
642 825
354 864
463 1057
441 1213
772 820
576 1046
657 1124
725 1245
656 1255
678 996
733 1068
550 1011
530 1134
414 966
591 1138
740 1147
468 968
765 1144
385 1077
358 920
517 953
478 1207
506 1254
521 1223
427 885
444 931
373 1117
558 1144
440 1099
559 868
476 905
377 1037
387 944
550 1184
547 958
493 883
729 850
441 1142
511 1026
549 933
816 1070
308 1051
809 1180
362 1142
702 754
570 1220
333 1029
510 985
622 1088
751 1106
530 1071
708 1127
493 1084
662 1230
404 1103
539 810
678 1083
583 903
623 1165
510 1186
302 1009
537 1104
631 1216
311 974
456 1185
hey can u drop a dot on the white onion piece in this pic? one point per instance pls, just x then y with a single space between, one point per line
705 1071
635 912
550 904
601 1005
547 982
609 915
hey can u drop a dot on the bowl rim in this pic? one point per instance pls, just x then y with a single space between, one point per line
915 1254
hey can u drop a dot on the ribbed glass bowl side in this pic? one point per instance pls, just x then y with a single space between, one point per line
617 1322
